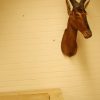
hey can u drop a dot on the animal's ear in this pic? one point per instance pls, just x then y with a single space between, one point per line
68 7
86 4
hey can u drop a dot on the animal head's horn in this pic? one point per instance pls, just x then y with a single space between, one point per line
82 2
74 3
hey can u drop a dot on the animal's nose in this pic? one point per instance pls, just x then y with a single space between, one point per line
87 34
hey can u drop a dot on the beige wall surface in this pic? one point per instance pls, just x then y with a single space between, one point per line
30 54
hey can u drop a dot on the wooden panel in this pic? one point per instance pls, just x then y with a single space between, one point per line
51 94
26 97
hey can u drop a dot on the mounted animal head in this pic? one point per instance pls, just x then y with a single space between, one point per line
77 16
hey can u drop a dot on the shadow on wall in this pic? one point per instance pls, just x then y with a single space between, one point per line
82 52
83 59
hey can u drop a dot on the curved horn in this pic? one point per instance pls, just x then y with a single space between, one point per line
87 4
68 7
74 3
82 3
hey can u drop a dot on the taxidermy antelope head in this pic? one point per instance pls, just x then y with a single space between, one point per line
77 21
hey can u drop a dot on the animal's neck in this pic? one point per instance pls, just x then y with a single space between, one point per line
72 31
69 43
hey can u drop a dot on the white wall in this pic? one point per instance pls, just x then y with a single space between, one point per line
30 55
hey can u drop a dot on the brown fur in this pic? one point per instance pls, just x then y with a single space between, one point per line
77 21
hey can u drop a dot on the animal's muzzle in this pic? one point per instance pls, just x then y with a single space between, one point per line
87 34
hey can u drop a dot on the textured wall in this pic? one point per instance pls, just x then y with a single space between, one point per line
30 55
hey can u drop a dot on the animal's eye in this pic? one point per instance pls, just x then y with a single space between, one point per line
84 13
